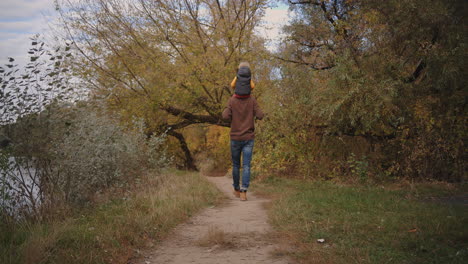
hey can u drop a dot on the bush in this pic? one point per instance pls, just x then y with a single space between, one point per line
96 153
72 153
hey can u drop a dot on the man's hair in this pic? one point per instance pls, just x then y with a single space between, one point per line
244 64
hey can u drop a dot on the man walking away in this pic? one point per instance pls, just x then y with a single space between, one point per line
241 110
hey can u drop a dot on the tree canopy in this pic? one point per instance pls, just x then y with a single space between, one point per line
388 75
169 62
380 83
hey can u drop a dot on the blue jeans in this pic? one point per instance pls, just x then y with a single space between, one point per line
237 148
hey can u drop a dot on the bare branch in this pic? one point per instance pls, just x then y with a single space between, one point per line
311 65
194 118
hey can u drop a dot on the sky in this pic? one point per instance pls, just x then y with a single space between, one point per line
274 19
21 19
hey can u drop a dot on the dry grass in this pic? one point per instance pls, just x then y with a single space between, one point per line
210 167
216 237
110 232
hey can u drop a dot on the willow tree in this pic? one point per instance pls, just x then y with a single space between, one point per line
169 62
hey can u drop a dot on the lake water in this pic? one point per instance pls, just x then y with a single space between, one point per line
24 190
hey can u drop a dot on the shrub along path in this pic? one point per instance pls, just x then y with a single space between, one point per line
233 232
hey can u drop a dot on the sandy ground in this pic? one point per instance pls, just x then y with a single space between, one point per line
234 232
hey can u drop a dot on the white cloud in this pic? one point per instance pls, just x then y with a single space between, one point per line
30 26
19 21
7 35
17 47
274 20
23 9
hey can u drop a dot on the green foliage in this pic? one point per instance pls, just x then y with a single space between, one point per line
381 80
358 168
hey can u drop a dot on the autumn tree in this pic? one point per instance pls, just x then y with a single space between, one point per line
168 62
382 79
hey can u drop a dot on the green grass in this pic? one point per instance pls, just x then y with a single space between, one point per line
367 224
111 231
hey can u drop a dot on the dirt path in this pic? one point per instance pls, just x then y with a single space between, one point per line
234 232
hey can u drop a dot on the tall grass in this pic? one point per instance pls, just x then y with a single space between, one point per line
368 224
112 231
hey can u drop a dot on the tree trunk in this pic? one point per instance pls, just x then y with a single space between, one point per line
189 162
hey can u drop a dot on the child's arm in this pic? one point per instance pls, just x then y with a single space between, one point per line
252 84
233 83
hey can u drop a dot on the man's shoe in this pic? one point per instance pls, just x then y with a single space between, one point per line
243 196
236 193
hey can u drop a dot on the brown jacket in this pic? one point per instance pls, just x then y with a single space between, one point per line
242 112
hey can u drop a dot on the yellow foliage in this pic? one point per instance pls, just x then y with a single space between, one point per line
217 136
214 155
